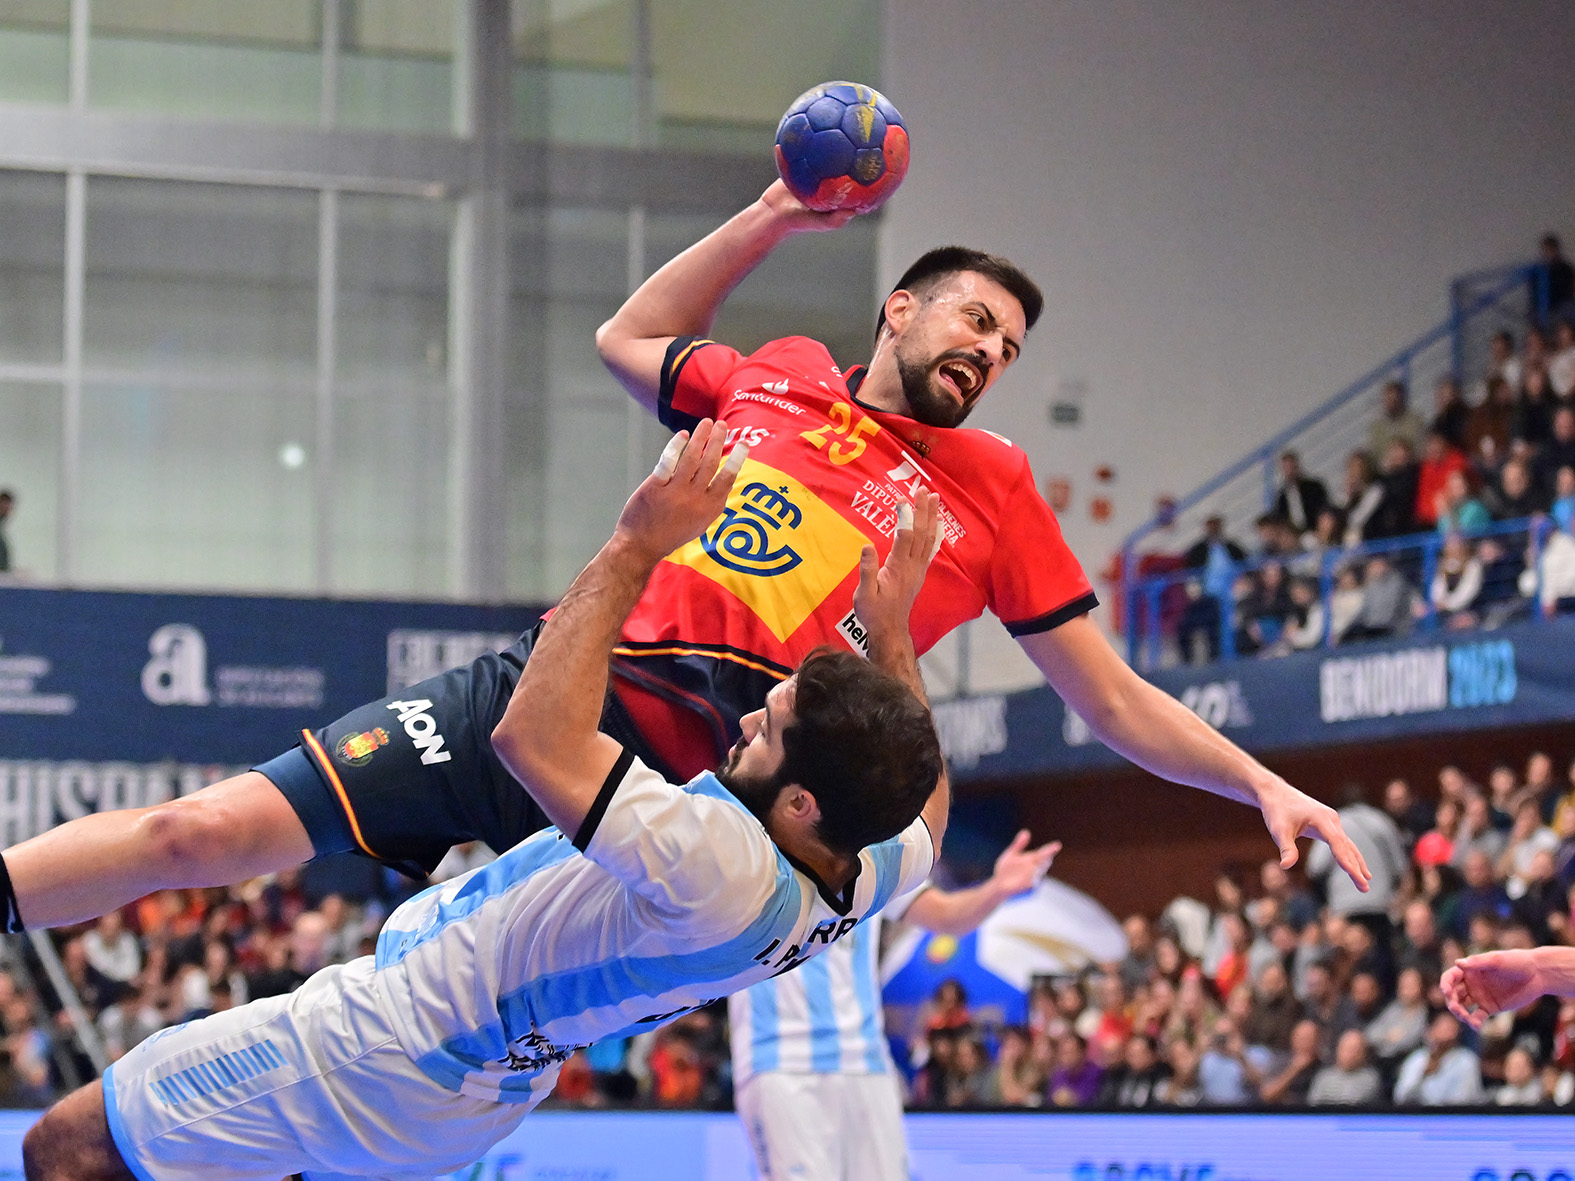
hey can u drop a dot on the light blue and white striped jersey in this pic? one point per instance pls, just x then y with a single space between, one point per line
821 1018
667 898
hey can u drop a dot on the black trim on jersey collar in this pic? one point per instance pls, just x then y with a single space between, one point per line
1051 620
855 378
841 905
609 788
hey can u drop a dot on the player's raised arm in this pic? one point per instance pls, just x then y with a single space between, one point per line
683 297
958 912
548 737
883 602
1150 727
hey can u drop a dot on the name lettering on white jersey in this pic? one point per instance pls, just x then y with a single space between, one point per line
422 729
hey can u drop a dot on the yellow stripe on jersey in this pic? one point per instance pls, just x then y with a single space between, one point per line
777 547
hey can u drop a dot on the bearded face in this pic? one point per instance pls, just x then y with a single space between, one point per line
756 792
941 390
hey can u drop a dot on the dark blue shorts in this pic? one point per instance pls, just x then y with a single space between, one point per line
405 778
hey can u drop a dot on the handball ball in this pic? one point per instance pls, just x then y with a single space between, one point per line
842 146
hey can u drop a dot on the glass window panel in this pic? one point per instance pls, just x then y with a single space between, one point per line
200 281
196 487
716 90
208 59
571 79
567 417
396 66
390 495
393 289
35 51
30 439
32 267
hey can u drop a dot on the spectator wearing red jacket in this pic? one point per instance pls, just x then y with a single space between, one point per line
1439 461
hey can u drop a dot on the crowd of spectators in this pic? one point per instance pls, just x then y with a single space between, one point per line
1283 991
1287 992
1503 451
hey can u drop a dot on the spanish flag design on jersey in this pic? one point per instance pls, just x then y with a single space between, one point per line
733 612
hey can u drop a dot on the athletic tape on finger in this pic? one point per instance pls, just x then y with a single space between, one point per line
734 462
668 463
905 515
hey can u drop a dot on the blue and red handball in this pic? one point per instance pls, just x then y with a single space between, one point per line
842 146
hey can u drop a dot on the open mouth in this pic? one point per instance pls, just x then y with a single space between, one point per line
962 376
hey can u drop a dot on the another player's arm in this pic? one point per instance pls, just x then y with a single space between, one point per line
548 737
883 602
957 912
684 296
1154 730
1478 986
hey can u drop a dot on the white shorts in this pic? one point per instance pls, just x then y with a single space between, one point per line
313 1082
825 1127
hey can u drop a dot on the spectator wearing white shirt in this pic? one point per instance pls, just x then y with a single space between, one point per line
1522 1085
1561 366
1504 365
1527 838
1552 580
112 951
1457 583
1442 1073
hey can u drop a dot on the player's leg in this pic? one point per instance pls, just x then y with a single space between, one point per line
385 780
793 1131
233 830
72 1142
875 1148
314 1082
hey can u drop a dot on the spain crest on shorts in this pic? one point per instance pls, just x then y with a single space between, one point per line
357 749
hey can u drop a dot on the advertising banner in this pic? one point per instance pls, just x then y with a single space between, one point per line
1066 1146
1430 683
111 700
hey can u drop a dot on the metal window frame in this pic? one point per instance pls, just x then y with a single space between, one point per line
480 167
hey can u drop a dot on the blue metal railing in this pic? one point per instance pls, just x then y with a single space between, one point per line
1417 554
1481 304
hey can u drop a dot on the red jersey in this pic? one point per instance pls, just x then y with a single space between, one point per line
732 613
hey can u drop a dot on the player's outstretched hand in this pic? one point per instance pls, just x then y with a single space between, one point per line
798 217
1019 867
687 491
886 590
1288 814
1496 981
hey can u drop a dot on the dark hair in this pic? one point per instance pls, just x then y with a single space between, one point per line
935 265
863 745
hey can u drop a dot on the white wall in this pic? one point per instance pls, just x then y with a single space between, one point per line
1234 208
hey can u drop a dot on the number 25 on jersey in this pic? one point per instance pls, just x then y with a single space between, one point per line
846 449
